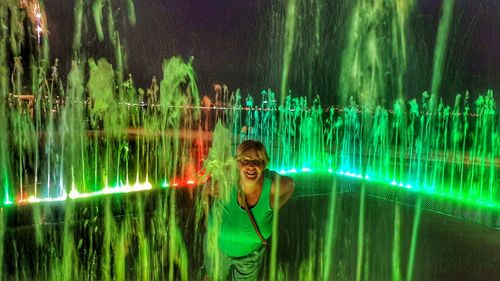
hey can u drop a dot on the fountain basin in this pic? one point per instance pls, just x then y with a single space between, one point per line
451 235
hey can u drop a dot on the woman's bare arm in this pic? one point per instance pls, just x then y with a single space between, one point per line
284 187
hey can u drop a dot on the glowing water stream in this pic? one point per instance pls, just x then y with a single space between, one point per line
94 134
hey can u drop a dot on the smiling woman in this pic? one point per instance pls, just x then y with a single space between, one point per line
252 159
243 225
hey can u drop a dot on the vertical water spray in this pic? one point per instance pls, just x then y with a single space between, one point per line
101 85
414 238
330 233
396 248
178 94
441 46
4 179
374 61
73 114
289 41
69 262
160 149
97 7
361 233
221 167
78 23
2 235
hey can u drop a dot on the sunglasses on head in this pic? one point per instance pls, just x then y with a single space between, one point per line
254 162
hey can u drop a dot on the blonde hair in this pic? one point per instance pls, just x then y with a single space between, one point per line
247 147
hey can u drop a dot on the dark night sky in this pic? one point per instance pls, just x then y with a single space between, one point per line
216 33
473 43
219 34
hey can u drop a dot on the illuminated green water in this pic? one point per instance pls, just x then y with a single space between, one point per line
88 135
415 150
406 146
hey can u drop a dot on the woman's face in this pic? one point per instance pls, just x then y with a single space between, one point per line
251 167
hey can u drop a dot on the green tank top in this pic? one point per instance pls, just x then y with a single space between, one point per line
237 236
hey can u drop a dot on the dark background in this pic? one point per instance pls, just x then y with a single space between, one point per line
232 42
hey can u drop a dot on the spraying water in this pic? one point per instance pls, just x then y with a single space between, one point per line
95 134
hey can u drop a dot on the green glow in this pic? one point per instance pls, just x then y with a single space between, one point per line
390 183
102 131
404 186
361 232
165 184
74 194
414 238
441 42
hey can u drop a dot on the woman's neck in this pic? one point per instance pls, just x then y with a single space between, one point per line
252 188
250 193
